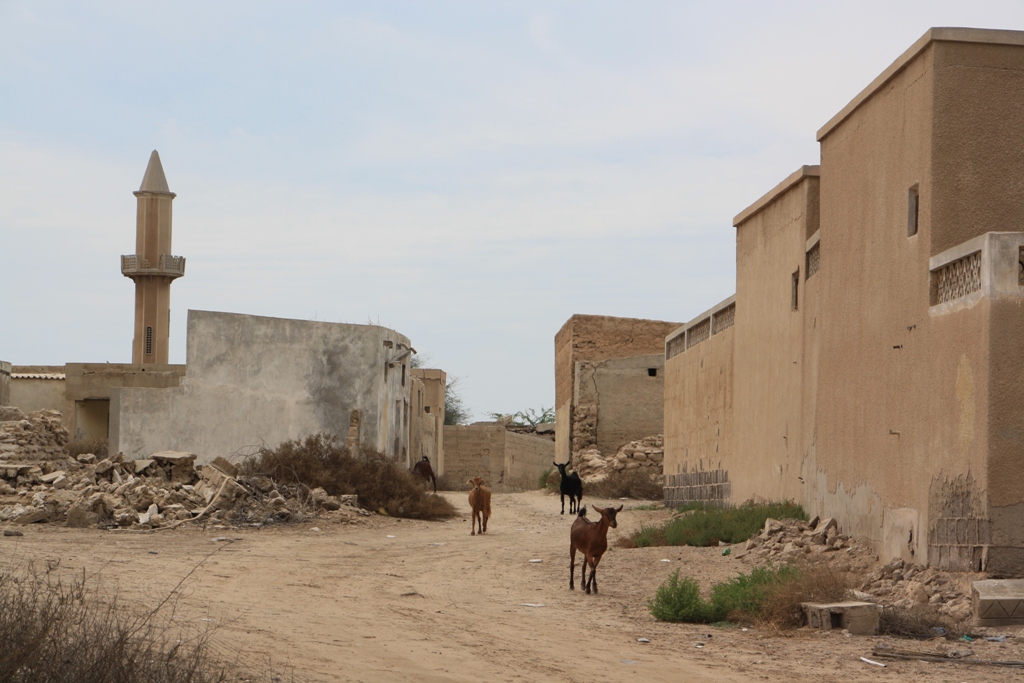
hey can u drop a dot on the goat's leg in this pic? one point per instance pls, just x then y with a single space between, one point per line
563 504
472 525
593 573
583 567
483 516
572 565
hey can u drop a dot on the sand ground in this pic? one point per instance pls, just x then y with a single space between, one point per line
388 600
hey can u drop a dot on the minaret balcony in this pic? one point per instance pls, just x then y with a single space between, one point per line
133 265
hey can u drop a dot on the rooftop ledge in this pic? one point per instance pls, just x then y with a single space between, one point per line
952 35
793 179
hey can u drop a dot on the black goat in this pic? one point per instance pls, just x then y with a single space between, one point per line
423 469
571 486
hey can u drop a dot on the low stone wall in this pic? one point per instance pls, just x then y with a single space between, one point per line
527 457
476 450
505 459
646 453
37 436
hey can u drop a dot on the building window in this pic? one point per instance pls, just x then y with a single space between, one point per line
652 372
813 261
912 211
149 341
403 374
796 289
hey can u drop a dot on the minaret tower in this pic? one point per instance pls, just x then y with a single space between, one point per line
152 267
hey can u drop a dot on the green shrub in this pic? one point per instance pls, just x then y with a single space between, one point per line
701 525
679 599
744 598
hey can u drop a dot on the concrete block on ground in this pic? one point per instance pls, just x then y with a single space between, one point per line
859 618
998 602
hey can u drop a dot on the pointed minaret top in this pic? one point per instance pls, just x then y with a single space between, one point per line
155 180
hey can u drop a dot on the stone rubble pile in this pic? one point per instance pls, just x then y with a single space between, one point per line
37 436
788 538
896 584
909 585
164 489
648 453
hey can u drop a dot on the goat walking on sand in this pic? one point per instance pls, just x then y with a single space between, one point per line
591 539
480 502
572 486
423 469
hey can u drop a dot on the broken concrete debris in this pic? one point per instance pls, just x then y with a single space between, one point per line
163 490
898 583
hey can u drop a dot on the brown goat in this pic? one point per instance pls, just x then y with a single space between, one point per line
480 502
591 539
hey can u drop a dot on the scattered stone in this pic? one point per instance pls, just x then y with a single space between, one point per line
13 532
33 516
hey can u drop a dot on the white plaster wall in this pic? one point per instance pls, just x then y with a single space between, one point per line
253 380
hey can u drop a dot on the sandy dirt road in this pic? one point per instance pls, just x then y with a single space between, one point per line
391 600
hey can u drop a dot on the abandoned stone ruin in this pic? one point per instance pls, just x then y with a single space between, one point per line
868 368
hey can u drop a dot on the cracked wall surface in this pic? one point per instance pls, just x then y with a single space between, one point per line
595 338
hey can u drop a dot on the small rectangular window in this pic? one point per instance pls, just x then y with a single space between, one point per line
796 289
912 211
652 372
149 341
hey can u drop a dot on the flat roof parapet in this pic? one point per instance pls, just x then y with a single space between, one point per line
947 34
769 197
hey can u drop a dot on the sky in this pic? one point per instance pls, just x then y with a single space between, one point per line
470 174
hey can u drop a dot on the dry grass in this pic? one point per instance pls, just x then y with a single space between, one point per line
77 447
923 621
380 483
636 483
57 630
813 582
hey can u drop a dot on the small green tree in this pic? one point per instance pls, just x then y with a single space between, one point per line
529 417
455 411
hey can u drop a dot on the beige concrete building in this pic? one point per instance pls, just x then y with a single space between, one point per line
254 380
426 430
507 460
871 367
152 267
5 383
609 382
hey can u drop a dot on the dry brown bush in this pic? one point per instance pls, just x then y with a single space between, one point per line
637 483
59 629
320 461
813 582
97 447
923 621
